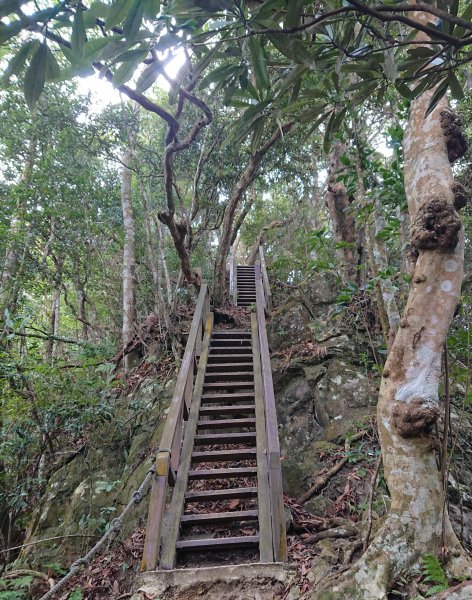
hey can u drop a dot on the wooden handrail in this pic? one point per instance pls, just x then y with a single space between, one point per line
233 276
273 446
168 455
265 279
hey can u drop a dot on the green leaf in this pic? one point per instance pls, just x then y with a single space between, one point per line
328 132
126 70
404 90
9 6
78 37
290 47
97 10
258 62
133 20
112 49
93 47
390 68
293 14
467 16
148 76
438 94
35 75
117 13
151 8
8 31
53 70
455 86
219 74
18 61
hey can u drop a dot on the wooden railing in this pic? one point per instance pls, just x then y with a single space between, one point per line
168 455
273 447
265 279
233 276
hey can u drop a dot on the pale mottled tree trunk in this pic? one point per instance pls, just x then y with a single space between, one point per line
386 285
129 260
12 252
408 407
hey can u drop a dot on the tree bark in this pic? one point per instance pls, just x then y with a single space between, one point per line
129 260
244 181
11 260
344 225
386 285
408 406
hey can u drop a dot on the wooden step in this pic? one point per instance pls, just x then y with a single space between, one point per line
217 518
226 423
235 409
204 439
225 367
221 385
246 541
212 495
214 358
231 473
234 397
224 455
224 375
231 332
233 340
230 350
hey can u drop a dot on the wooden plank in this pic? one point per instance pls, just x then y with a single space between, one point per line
231 494
224 438
273 447
234 397
237 409
152 540
178 497
226 423
229 543
265 279
266 551
224 455
231 473
187 363
217 518
222 367
224 375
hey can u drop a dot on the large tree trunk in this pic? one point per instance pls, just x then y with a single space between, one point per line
408 407
129 260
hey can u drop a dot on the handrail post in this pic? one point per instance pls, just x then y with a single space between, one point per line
168 455
265 279
233 276
273 446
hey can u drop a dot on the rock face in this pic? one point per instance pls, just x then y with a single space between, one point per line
84 495
317 402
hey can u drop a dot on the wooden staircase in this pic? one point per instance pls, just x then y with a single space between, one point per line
220 448
246 285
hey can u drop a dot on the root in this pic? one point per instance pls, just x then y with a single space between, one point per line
392 553
371 577
322 477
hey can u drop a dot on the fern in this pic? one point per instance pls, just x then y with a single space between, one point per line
433 572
